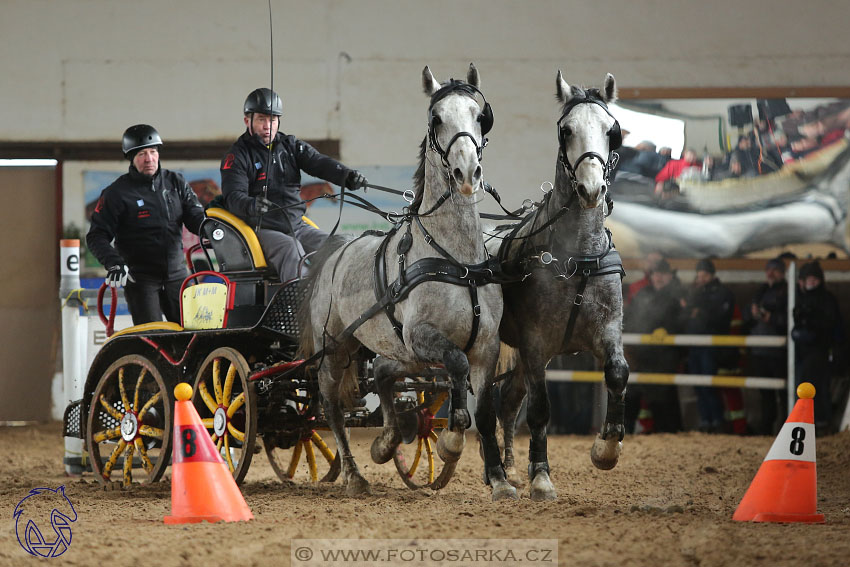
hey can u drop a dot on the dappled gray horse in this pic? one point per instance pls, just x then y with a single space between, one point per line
430 276
570 297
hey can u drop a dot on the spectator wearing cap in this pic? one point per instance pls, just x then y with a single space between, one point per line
818 330
656 306
707 310
768 316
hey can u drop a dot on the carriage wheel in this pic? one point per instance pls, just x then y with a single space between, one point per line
129 425
227 404
315 450
416 462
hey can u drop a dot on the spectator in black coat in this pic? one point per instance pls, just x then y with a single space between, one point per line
818 329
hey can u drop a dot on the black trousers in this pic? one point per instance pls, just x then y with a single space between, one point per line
149 300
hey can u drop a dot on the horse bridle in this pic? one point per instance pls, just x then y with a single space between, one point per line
486 119
615 139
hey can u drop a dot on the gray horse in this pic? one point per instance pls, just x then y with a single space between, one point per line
419 295
570 297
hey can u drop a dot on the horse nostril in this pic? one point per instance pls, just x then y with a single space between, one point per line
477 175
582 189
458 175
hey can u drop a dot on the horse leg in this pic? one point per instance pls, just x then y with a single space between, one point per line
512 392
541 487
385 444
608 444
485 421
355 484
432 346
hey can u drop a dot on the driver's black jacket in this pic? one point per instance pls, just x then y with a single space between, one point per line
244 172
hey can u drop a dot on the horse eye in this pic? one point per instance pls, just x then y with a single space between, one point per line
567 131
436 120
480 118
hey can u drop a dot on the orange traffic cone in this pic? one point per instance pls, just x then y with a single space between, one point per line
201 486
785 486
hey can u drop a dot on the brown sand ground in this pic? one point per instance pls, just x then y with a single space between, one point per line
669 502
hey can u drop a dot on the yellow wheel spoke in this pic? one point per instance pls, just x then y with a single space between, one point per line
107 434
311 461
149 431
214 438
143 454
228 385
205 395
128 466
432 435
438 402
216 376
430 461
415 460
440 423
227 456
322 446
293 461
138 388
149 404
239 435
113 458
110 410
420 398
218 443
238 402
124 399
209 422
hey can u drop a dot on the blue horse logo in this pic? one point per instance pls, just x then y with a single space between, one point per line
28 533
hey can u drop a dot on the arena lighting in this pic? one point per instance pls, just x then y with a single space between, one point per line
27 162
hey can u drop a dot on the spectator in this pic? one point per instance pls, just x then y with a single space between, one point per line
646 161
665 185
768 316
144 211
817 330
656 306
747 155
707 310
649 262
270 196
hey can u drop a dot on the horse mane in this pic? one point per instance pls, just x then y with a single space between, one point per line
419 178
582 92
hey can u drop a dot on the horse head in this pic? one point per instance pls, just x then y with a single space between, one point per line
588 134
458 119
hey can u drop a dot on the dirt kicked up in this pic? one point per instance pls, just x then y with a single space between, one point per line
669 502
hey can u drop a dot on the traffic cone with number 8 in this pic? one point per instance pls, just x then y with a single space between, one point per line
785 486
202 488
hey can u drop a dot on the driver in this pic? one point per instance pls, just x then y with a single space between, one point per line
245 171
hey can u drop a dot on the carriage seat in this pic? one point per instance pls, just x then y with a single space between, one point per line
235 244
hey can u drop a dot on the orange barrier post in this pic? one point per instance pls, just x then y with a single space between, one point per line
785 486
202 488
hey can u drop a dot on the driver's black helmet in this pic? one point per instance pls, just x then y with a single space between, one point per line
263 101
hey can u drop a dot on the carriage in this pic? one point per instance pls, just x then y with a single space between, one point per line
395 330
237 347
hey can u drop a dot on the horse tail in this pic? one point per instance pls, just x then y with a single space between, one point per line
318 260
507 359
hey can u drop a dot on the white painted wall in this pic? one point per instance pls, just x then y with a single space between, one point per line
85 69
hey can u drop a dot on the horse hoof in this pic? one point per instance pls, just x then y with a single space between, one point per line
502 490
357 486
382 451
450 446
542 488
605 453
514 477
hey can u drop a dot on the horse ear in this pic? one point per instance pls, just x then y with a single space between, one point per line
429 83
562 90
472 76
610 89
